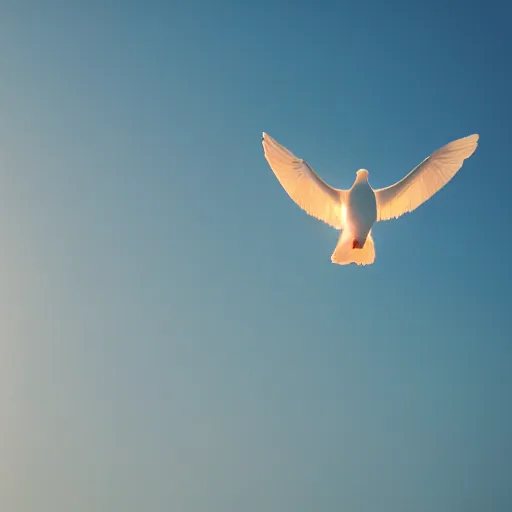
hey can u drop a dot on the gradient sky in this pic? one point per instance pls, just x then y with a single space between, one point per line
173 334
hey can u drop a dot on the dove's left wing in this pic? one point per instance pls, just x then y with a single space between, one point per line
303 185
425 180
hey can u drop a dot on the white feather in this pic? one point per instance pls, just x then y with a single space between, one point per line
425 180
303 185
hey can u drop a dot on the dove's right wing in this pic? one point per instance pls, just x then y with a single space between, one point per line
303 185
425 180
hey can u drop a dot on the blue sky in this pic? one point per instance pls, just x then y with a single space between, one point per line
173 334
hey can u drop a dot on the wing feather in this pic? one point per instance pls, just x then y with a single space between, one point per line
303 185
425 180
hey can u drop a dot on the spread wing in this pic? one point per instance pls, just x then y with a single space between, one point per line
425 180
303 185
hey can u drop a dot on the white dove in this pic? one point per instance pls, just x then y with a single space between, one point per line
355 211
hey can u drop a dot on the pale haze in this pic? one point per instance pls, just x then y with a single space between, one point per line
174 336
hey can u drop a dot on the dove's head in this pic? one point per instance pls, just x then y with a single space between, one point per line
362 175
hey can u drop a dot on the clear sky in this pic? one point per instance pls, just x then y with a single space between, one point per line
173 334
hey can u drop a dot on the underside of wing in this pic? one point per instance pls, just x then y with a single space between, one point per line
425 180
303 185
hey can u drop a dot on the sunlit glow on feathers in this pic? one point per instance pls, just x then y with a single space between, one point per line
344 220
367 205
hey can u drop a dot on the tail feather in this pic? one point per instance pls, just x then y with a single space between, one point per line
344 254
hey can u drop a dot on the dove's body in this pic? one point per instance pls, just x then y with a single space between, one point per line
355 211
361 209
355 244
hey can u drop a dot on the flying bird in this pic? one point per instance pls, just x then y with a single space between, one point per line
356 210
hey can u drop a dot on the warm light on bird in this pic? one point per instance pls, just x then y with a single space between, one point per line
344 214
367 206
